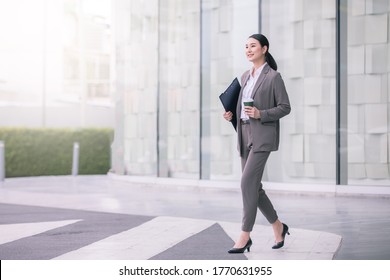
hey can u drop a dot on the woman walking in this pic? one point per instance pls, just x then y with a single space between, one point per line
258 135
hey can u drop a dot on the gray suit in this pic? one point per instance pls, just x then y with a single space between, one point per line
270 97
257 139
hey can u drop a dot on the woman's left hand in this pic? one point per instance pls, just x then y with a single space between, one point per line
252 112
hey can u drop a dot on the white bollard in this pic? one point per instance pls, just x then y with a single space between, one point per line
2 162
75 162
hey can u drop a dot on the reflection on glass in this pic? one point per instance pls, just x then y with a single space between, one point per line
225 30
302 41
368 93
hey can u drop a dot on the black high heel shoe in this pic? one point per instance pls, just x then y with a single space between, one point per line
241 250
281 243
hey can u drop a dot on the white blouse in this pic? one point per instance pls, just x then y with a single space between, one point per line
248 89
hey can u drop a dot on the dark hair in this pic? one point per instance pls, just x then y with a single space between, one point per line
268 57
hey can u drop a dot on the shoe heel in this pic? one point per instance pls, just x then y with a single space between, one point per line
249 244
243 249
281 243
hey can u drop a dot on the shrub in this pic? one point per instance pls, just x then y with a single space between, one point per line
42 152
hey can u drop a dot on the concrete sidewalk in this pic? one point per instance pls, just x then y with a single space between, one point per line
101 217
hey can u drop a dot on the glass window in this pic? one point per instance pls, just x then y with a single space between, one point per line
226 25
179 88
136 29
302 41
368 93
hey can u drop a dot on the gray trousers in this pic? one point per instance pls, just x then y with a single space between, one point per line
253 194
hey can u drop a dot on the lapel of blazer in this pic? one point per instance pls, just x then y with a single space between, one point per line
260 80
244 81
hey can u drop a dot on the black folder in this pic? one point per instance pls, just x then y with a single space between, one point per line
229 99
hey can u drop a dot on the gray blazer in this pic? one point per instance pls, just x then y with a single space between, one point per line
270 97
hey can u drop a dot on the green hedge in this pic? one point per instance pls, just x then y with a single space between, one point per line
42 152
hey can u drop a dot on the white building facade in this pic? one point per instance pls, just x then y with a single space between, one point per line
175 57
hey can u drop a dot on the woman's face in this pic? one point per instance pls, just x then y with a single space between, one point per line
254 51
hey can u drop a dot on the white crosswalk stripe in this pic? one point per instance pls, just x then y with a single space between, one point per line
142 242
13 232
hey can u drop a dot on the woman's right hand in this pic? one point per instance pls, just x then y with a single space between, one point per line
228 116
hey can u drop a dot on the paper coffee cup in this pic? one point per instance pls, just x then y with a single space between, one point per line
248 102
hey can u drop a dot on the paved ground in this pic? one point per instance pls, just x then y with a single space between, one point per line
98 217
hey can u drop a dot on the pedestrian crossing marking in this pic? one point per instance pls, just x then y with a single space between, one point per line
141 242
13 232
